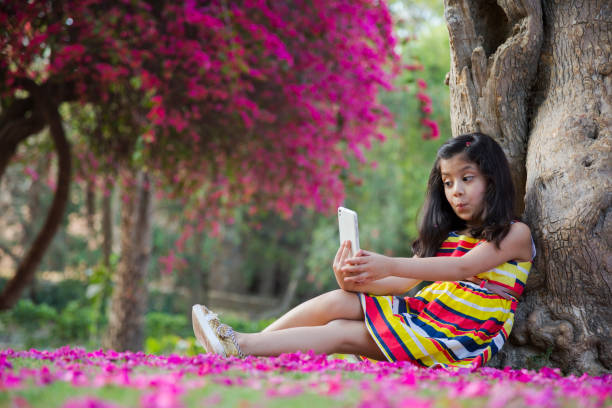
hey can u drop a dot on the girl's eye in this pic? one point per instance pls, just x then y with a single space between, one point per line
447 183
467 178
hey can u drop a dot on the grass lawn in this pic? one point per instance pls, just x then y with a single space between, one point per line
74 378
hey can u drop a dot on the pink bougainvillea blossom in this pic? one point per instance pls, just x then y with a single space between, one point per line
434 129
242 103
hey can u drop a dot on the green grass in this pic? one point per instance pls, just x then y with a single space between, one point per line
56 394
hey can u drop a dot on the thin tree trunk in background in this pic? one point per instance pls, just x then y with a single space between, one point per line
33 205
17 123
535 75
27 268
267 281
107 226
31 223
129 298
288 298
90 207
198 289
16 259
226 274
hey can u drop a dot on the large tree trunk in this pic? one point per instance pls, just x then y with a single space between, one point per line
494 54
129 298
536 76
14 129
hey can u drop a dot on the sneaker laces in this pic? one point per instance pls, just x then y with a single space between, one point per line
211 316
226 332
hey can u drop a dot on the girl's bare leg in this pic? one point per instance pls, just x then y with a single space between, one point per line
337 336
318 311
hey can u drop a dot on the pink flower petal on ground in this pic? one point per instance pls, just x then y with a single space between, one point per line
212 400
285 390
164 398
500 395
540 398
44 376
9 381
414 402
409 379
380 384
475 389
20 402
88 402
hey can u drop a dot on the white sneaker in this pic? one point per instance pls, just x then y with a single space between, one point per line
215 337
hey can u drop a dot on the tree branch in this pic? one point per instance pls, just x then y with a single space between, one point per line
4 248
27 268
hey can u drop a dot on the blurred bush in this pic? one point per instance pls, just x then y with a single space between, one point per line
31 316
29 324
58 295
73 323
172 344
160 324
243 325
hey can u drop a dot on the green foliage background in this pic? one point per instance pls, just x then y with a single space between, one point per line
387 198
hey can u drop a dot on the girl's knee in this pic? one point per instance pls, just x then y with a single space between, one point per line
340 294
348 335
339 301
339 327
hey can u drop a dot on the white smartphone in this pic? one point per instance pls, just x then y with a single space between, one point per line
349 229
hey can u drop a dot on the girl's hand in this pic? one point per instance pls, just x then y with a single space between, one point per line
366 267
344 252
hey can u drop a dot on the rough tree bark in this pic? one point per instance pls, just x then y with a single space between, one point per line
129 298
535 75
22 119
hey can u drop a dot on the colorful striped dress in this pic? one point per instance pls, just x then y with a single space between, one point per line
447 323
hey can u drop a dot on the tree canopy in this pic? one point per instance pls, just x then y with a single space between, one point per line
217 97
226 103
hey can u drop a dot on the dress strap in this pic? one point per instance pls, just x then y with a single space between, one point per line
494 287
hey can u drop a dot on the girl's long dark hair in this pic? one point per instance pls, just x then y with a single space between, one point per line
439 219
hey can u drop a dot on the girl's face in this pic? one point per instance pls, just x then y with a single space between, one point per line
464 187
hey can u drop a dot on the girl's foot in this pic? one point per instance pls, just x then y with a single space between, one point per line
214 336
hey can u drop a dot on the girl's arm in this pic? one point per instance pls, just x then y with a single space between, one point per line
369 266
391 285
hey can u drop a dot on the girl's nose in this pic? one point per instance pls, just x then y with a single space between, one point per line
458 189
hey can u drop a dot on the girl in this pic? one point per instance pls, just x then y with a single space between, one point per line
469 245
